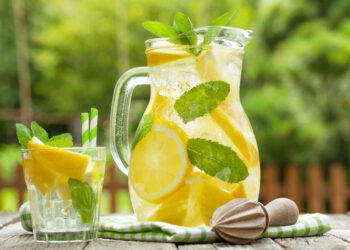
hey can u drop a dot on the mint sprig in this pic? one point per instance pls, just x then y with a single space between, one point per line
24 135
213 31
39 132
201 99
144 128
183 31
216 160
183 25
83 199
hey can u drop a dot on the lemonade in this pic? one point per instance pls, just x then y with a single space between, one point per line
194 149
64 187
165 183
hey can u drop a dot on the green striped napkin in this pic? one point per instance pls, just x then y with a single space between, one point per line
126 227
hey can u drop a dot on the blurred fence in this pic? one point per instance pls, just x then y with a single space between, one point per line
316 190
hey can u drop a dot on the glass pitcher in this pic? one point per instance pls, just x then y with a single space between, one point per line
194 149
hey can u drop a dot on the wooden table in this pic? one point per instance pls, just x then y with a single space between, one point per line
12 236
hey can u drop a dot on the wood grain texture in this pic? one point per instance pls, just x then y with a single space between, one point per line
106 244
324 242
340 221
196 246
262 244
8 218
12 236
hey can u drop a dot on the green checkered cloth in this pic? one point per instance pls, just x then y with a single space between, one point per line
126 227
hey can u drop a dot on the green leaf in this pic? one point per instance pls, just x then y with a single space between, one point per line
83 199
39 132
160 29
223 19
216 160
183 24
60 143
212 32
65 136
201 99
144 128
24 134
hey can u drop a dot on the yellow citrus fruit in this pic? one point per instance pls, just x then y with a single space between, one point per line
95 174
159 57
38 175
207 65
161 106
204 198
49 168
249 152
159 162
174 209
62 162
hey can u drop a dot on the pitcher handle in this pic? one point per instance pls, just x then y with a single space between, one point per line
120 114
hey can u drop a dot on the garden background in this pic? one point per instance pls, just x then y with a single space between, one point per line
58 58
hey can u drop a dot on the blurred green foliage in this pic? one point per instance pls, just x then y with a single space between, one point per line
295 82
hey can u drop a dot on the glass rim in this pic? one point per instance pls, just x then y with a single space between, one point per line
243 33
23 150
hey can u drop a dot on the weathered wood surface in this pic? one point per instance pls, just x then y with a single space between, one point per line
12 236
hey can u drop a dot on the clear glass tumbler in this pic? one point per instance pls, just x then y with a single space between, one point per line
65 188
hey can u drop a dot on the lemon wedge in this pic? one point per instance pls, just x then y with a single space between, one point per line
48 168
62 162
158 57
159 162
205 197
174 209
247 150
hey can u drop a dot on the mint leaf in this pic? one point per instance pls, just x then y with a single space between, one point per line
64 136
60 143
83 199
201 99
24 134
144 128
39 132
216 160
183 24
223 19
212 32
160 29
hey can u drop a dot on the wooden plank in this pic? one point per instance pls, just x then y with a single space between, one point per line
262 244
323 242
315 190
293 185
196 246
337 189
8 218
340 221
340 234
106 244
13 236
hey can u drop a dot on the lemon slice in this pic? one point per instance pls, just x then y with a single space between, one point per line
62 162
49 169
174 209
159 57
159 162
249 152
205 197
